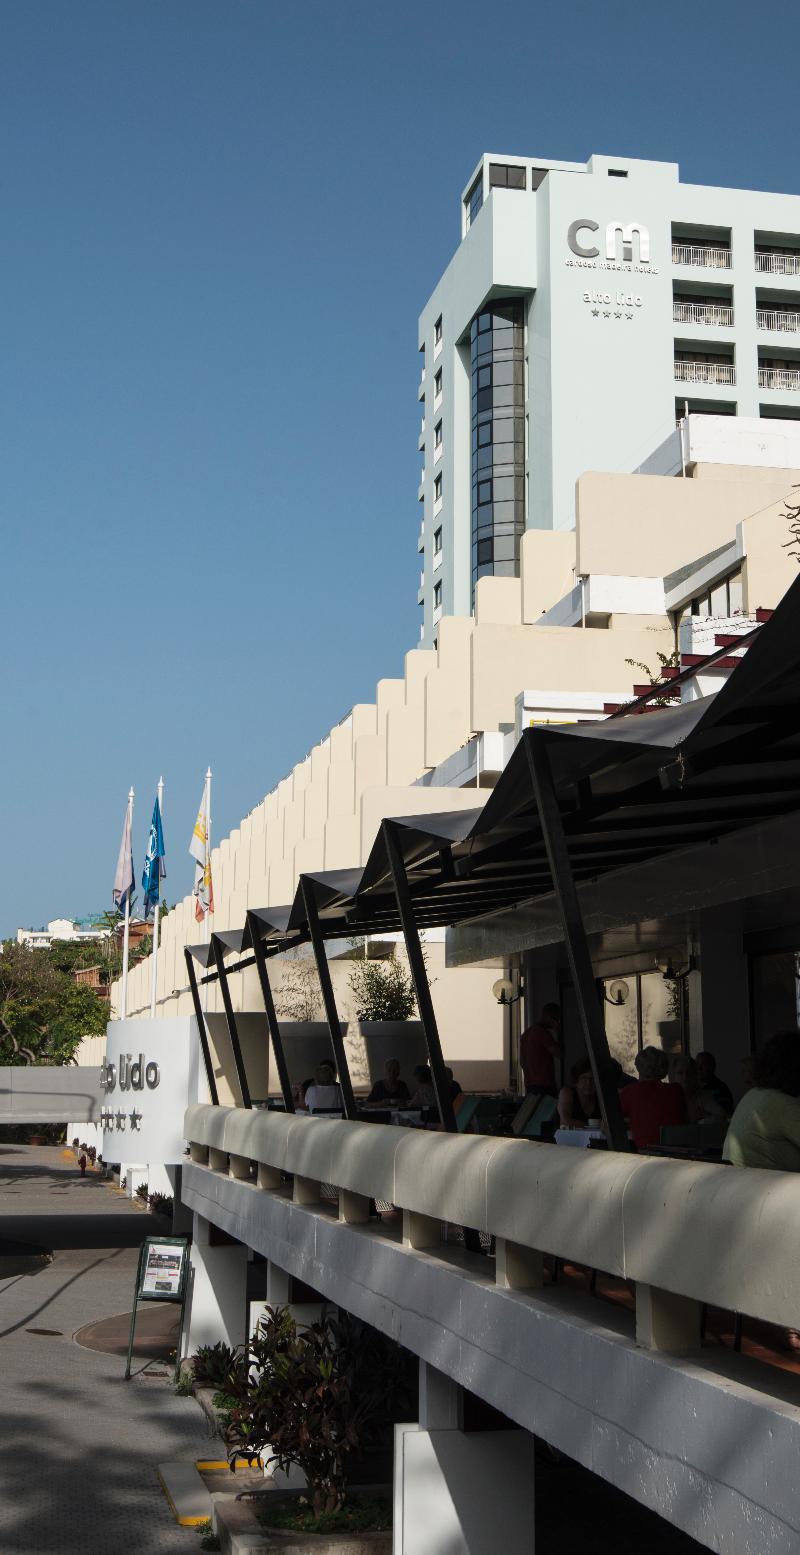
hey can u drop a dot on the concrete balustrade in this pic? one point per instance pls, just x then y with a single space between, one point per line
713 1234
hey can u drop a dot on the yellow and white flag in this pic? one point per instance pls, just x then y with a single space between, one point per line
203 890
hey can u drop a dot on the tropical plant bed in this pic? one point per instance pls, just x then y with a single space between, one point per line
238 1529
356 1516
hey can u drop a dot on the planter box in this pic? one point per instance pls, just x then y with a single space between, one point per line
239 1531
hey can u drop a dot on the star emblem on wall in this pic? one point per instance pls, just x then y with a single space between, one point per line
595 313
629 315
136 1118
618 315
607 313
121 1122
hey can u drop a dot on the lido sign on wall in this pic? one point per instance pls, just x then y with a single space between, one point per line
149 1076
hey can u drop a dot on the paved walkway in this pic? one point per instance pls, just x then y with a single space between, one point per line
79 1444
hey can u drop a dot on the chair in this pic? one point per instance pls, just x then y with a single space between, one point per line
536 1118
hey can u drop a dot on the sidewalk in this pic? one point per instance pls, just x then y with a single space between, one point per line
80 1445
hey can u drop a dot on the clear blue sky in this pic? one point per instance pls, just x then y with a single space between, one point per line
220 219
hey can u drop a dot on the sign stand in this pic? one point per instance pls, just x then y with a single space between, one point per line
161 1275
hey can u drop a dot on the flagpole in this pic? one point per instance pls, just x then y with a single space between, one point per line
206 924
156 909
126 937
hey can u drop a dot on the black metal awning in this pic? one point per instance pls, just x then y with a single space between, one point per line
574 802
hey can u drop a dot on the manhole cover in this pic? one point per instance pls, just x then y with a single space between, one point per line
54 1333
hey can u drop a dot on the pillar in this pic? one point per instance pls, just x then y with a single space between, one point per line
217 1305
466 1492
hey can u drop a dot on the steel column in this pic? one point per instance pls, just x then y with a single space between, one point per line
416 961
328 998
272 1019
201 1027
580 961
230 1021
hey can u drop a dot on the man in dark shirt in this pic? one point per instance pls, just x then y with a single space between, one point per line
538 1047
710 1081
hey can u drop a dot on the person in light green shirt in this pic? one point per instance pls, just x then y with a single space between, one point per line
765 1128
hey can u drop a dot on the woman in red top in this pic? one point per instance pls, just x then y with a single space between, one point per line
650 1104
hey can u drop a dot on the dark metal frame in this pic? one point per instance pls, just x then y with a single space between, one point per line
230 1020
416 961
272 1018
328 997
577 945
201 1027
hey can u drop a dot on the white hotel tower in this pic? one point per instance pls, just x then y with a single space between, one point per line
586 308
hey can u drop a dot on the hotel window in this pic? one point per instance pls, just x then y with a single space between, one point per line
437 435
474 201
497 374
437 331
503 176
437 542
437 489
437 384
723 599
437 595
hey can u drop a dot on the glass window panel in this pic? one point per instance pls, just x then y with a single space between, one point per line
483 459
484 433
485 551
484 399
484 491
498 175
484 322
516 177
484 377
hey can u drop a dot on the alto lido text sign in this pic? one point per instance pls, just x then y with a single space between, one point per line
149 1077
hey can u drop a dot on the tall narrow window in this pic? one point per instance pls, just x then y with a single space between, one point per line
437 384
437 542
498 438
437 596
437 489
437 331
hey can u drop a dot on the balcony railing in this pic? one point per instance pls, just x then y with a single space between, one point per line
777 318
702 313
705 372
778 264
779 377
701 254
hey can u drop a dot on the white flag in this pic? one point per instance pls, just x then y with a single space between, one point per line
123 879
203 890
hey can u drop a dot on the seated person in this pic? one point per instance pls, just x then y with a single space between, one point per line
710 1081
300 1092
765 1128
650 1104
391 1091
578 1102
701 1105
324 1093
455 1088
424 1095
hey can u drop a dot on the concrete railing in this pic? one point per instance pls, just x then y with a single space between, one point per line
710 1234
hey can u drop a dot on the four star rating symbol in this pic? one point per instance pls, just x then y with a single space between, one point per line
116 1121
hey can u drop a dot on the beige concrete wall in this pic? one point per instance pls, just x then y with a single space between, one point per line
649 525
548 569
768 569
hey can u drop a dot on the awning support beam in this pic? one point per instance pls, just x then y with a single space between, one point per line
201 1027
230 1021
328 998
577 945
272 1019
416 961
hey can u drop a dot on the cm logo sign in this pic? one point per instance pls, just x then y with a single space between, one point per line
616 232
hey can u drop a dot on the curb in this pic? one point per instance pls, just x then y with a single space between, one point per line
188 1498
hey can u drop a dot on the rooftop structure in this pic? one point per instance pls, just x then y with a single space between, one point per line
586 309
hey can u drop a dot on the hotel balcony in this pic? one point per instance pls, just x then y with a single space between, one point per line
709 255
772 262
779 377
705 372
779 319
685 312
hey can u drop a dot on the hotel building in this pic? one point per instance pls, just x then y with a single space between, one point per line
587 308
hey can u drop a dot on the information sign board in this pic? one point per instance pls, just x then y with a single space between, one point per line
160 1276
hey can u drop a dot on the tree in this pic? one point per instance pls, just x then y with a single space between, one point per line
44 1015
297 996
382 990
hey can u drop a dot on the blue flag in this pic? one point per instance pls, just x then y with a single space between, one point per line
154 871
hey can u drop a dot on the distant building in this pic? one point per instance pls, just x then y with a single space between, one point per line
59 929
